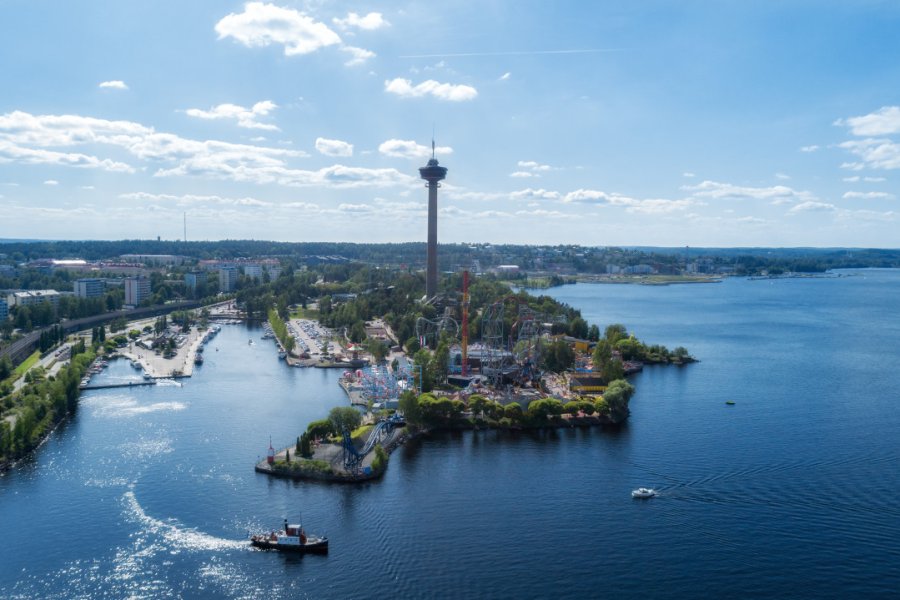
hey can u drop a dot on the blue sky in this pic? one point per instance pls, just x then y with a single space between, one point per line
598 123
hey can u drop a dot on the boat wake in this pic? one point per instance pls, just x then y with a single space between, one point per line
121 406
176 536
169 383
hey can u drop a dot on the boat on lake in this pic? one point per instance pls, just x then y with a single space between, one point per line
643 493
292 539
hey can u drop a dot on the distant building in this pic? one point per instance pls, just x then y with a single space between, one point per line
273 270
253 270
4 310
192 279
154 259
228 277
7 271
89 288
29 297
137 289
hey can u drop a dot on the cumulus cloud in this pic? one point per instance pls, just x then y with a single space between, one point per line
51 182
867 195
522 174
25 138
264 24
635 205
333 147
811 148
883 121
726 191
193 199
410 149
113 85
358 56
875 153
442 91
812 206
369 22
534 194
245 117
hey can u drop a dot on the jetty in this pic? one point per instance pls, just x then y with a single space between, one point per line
107 386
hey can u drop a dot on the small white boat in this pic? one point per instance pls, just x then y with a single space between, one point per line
643 493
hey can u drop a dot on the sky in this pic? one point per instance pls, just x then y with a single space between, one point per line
676 123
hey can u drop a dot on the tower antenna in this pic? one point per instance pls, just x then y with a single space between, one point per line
432 140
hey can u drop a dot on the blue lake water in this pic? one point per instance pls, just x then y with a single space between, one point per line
789 493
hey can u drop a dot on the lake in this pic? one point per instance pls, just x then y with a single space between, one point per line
788 493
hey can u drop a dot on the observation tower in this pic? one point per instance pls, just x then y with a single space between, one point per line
433 174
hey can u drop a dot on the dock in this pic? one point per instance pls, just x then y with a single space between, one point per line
107 386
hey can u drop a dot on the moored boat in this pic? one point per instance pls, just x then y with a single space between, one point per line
292 539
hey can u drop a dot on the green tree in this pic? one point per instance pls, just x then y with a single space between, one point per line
614 333
617 396
558 357
408 404
344 417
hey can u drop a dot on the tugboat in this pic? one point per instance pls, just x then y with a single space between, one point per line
292 539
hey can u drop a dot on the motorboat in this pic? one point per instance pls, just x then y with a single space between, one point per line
643 493
292 538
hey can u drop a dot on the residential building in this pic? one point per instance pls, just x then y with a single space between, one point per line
29 297
137 289
4 310
253 270
228 277
89 288
274 271
195 278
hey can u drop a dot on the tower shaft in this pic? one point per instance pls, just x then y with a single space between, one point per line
431 271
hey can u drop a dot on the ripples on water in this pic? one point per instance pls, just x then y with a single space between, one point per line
790 493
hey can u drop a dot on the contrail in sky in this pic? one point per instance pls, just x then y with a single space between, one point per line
512 53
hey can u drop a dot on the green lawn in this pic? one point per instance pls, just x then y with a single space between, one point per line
22 368
305 313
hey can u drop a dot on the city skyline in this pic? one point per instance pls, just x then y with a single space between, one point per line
664 124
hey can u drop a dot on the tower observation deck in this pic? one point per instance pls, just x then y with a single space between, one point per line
433 174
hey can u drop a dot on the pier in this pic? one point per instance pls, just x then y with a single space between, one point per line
107 386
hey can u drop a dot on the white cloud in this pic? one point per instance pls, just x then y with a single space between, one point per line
113 85
522 174
245 117
533 166
51 182
875 153
867 195
358 55
505 76
531 194
726 191
173 155
782 176
443 91
333 147
192 199
852 179
265 24
634 205
884 121
369 22
87 187
811 148
812 206
874 179
688 174
410 149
